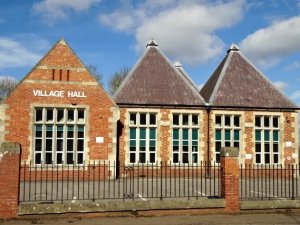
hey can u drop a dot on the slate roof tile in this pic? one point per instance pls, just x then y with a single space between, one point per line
155 81
237 83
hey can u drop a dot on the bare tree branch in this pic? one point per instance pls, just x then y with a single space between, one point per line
116 79
97 75
7 84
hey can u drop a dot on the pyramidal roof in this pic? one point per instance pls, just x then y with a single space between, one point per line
238 83
155 81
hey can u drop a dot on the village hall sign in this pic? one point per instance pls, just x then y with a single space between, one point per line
59 94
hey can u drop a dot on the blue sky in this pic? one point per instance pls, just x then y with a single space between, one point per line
111 34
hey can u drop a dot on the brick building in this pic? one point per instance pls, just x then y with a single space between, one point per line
248 112
60 114
161 113
163 117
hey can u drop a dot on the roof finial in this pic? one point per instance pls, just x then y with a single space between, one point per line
177 64
151 43
233 47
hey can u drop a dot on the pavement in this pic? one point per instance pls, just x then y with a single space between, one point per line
278 218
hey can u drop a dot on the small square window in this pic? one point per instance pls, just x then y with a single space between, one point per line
275 122
194 120
142 119
39 115
81 115
185 119
185 158
49 115
70 133
152 158
267 121
258 121
152 119
267 158
175 158
132 157
60 115
70 115
80 158
175 119
236 121
257 147
59 159
132 119
227 121
257 158
218 121
38 158
142 157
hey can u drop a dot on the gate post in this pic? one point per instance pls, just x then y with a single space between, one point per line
230 178
9 179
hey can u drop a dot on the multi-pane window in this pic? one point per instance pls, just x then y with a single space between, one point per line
185 138
142 137
266 139
227 133
59 135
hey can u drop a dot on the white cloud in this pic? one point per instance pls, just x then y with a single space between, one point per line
280 85
54 10
13 53
267 46
113 20
185 30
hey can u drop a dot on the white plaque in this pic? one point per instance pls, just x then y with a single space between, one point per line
248 156
99 139
288 144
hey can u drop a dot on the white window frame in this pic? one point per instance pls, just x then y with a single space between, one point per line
190 126
78 157
271 141
223 127
137 125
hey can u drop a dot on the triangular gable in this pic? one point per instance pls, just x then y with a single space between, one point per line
155 81
60 64
238 83
59 60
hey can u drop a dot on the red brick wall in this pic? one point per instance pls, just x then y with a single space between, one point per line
206 135
122 135
9 185
289 136
165 136
230 183
249 139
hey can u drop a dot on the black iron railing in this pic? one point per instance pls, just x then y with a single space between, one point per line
100 180
269 182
